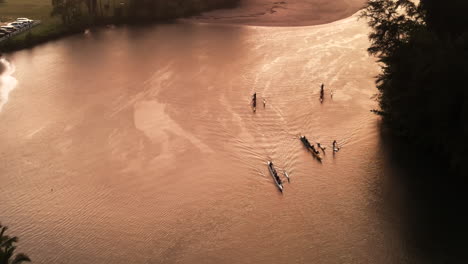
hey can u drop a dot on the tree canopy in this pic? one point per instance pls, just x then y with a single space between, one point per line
78 12
423 52
8 247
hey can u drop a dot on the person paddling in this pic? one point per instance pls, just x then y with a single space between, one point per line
287 176
322 91
314 149
254 101
264 102
335 146
321 147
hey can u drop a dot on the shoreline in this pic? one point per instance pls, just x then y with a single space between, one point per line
226 24
271 13
141 14
262 13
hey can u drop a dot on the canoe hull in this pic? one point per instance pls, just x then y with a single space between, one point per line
279 185
307 145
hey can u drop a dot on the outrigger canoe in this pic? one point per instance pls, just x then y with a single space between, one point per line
311 149
275 176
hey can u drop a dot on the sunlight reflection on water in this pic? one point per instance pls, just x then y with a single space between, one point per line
7 81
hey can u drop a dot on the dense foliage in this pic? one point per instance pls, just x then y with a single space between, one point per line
79 12
7 249
423 51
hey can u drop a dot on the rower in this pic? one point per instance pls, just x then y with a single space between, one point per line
335 146
287 176
321 147
264 102
314 150
322 91
254 101
278 179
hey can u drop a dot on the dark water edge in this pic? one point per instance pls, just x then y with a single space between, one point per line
431 201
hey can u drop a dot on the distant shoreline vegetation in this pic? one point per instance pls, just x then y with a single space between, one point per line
423 50
77 15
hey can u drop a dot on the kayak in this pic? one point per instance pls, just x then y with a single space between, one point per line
309 147
275 176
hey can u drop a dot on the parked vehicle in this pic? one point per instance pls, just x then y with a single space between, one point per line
9 28
24 19
17 25
24 23
2 30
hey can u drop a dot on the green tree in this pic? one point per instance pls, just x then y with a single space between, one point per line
69 10
7 249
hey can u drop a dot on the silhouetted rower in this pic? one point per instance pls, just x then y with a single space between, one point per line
254 101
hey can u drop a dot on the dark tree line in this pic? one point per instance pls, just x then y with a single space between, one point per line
8 247
423 50
79 12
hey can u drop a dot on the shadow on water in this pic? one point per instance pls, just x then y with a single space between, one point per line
429 202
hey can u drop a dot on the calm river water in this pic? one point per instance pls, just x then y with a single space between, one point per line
138 145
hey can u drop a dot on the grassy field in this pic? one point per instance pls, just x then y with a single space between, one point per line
33 9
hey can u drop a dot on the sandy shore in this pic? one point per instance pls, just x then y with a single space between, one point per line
284 13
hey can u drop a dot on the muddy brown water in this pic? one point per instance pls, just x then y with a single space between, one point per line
138 145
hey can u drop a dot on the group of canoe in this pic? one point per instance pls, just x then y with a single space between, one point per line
310 147
254 102
254 98
315 152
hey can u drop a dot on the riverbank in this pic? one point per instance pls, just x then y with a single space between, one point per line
37 10
252 12
61 21
32 38
19 31
283 13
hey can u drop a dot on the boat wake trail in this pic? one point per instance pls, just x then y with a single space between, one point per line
7 82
